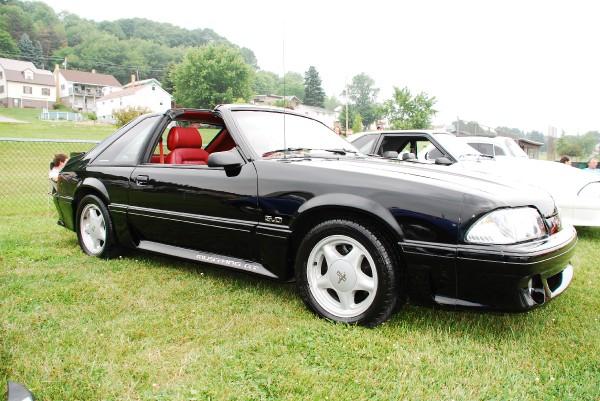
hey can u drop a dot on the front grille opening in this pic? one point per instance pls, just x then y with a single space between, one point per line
554 281
536 289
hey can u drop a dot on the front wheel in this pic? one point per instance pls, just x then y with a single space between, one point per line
346 272
94 227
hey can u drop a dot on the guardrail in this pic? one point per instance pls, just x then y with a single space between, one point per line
60 116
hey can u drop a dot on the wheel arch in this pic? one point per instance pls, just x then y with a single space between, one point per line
335 206
89 186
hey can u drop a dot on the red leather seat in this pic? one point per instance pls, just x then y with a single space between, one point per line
185 144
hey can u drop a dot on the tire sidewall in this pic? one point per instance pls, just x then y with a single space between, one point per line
110 240
381 254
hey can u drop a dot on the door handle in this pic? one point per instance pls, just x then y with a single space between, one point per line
142 180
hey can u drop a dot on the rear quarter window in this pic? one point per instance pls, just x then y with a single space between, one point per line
127 149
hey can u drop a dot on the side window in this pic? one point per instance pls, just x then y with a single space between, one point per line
393 143
365 143
483 148
499 151
127 149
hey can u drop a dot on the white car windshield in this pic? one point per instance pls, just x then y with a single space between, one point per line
456 148
273 134
514 149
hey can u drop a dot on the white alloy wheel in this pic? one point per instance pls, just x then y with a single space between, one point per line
342 276
92 229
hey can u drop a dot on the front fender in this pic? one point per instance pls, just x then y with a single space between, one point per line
352 202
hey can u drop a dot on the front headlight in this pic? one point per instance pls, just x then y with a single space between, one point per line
590 191
507 226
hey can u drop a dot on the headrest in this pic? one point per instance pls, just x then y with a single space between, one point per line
184 137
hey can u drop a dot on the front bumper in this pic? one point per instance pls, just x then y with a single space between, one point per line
516 277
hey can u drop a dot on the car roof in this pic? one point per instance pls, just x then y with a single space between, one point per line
484 139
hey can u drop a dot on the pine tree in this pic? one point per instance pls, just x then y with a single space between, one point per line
27 48
314 95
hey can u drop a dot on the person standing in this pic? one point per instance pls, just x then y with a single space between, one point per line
592 166
56 165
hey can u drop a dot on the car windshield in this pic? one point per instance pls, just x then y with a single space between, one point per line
456 148
265 132
514 149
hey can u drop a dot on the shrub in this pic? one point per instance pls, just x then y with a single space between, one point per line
60 107
90 115
126 114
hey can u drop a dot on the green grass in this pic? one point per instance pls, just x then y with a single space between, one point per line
156 328
36 128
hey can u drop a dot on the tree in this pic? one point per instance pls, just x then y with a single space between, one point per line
405 111
362 93
124 115
314 95
351 114
211 75
8 47
30 51
266 83
357 125
331 102
292 84
569 145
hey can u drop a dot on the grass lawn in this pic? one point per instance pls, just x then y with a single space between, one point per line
36 128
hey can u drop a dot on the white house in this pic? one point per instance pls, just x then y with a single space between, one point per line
327 117
24 85
147 93
80 90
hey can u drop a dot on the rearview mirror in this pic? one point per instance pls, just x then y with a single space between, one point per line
390 154
18 392
230 160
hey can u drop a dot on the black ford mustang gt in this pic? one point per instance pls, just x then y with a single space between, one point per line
280 195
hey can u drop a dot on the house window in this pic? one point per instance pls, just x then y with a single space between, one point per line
1 74
45 91
27 90
62 86
28 74
1 88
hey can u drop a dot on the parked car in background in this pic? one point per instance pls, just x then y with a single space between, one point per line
577 194
359 234
498 147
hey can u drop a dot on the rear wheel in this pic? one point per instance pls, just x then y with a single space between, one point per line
94 227
346 272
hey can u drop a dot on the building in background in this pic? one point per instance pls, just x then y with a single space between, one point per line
147 94
24 85
327 117
80 90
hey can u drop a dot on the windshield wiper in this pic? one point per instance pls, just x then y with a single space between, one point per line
339 151
286 150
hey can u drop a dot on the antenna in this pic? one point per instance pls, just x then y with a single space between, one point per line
284 97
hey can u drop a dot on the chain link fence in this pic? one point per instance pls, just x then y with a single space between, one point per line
24 166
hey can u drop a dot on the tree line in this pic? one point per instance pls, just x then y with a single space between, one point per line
200 67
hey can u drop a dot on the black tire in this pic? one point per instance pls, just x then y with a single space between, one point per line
388 292
109 247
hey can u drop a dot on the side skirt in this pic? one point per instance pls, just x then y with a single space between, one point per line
205 257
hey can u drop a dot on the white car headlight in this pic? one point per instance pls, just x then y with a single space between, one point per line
507 226
590 191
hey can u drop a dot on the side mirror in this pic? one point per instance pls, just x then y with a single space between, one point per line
230 160
408 156
444 161
18 392
390 154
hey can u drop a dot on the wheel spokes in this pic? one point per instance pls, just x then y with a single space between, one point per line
364 282
324 282
330 254
346 299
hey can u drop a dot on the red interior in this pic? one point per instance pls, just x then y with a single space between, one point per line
185 144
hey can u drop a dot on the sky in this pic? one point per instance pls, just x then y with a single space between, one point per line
524 64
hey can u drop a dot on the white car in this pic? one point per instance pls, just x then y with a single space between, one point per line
576 192
498 147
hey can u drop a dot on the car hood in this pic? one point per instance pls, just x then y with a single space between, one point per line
560 180
471 183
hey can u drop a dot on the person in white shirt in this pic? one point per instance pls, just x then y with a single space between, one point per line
56 165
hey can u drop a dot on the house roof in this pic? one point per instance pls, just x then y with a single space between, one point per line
92 78
143 82
122 93
14 71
